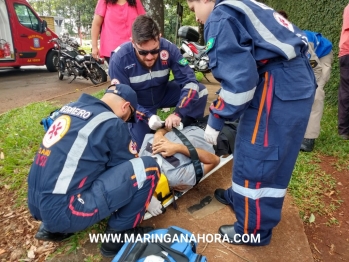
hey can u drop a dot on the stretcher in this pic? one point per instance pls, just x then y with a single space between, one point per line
164 194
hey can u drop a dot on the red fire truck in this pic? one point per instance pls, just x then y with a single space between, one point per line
24 37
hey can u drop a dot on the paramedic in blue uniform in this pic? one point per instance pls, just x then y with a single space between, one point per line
145 65
86 170
260 60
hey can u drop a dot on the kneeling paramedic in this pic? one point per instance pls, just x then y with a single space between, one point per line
86 170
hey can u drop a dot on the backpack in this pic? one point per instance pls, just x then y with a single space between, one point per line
173 244
226 138
47 121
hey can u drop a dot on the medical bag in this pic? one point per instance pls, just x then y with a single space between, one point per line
173 244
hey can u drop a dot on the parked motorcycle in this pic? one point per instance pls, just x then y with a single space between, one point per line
71 62
193 52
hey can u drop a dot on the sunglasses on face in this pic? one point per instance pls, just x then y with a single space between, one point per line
146 52
131 116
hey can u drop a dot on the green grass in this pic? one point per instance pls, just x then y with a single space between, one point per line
21 134
309 184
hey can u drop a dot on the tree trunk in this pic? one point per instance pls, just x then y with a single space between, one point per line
155 9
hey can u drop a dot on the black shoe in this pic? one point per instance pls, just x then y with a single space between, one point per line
45 235
307 145
110 249
219 195
228 231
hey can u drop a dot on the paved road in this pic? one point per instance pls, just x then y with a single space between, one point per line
33 84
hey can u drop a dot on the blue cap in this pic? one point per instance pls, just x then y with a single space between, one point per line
127 93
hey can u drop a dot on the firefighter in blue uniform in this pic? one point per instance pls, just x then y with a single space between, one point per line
261 61
145 65
86 170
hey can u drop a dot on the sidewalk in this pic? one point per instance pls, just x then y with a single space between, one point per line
289 242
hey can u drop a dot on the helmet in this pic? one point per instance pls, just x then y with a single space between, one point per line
65 36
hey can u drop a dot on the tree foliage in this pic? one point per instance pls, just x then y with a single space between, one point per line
78 14
323 16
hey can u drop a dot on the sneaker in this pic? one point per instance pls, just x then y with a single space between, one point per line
110 249
307 145
46 235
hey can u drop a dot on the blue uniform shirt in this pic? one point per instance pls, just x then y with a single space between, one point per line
322 46
150 84
78 147
241 36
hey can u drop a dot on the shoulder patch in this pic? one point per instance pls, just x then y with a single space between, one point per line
283 21
57 131
210 43
183 62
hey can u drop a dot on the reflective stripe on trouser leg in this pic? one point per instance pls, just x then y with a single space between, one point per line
267 144
116 188
144 182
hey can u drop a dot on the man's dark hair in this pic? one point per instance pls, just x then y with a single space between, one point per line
283 13
144 28
130 2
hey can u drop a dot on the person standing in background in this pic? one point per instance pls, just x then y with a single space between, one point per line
113 20
321 59
323 50
343 92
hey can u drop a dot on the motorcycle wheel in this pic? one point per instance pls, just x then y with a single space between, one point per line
60 75
98 75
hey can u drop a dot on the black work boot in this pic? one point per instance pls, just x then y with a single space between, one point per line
112 247
307 145
45 235
219 195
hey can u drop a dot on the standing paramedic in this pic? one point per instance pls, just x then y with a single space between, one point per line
113 22
85 170
145 65
261 61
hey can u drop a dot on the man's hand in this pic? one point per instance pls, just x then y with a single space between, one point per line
155 122
165 148
211 135
172 121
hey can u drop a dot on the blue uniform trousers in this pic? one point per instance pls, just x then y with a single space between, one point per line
267 144
123 192
140 129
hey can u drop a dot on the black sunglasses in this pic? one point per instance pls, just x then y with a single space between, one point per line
146 52
131 116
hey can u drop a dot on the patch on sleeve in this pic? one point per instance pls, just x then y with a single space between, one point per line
183 62
132 147
210 43
114 81
57 131
283 21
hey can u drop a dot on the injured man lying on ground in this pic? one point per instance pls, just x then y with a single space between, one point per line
175 159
